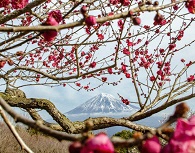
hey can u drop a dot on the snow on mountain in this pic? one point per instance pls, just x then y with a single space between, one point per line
102 103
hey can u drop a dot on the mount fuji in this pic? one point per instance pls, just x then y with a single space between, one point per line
107 105
103 103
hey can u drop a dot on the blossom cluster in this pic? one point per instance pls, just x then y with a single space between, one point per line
190 5
16 4
182 140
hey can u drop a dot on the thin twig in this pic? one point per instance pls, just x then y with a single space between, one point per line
14 132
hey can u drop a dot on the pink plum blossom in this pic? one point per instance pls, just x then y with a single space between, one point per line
110 70
172 46
190 78
50 35
125 2
114 2
54 17
151 145
98 144
2 63
100 36
4 3
19 4
190 5
152 78
84 9
90 20
136 21
92 65
183 140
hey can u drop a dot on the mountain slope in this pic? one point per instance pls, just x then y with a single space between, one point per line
102 103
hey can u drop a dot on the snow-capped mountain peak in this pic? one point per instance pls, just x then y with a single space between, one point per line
102 103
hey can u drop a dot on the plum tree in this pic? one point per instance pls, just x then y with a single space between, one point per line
76 43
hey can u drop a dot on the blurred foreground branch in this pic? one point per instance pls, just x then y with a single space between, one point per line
14 132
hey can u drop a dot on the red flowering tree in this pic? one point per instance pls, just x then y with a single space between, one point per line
59 43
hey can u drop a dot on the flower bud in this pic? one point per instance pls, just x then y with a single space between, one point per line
151 145
136 21
156 3
75 147
10 62
90 21
181 110
100 144
84 9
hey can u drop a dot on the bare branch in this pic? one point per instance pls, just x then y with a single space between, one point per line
81 22
36 124
14 132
